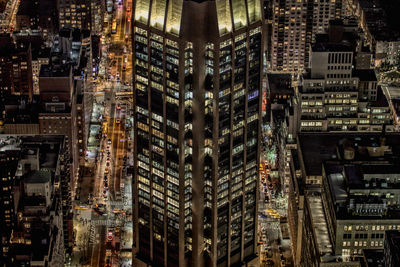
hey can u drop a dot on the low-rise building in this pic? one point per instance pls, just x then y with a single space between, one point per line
343 196
38 226
382 34
333 97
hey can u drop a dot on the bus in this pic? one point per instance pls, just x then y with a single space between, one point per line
110 5
114 26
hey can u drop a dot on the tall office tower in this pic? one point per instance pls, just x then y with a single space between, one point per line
197 125
294 26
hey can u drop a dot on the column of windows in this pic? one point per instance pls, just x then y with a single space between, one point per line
224 109
188 144
208 144
172 148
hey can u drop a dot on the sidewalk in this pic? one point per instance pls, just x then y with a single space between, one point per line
82 238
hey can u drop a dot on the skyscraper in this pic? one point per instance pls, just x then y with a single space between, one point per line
293 30
197 88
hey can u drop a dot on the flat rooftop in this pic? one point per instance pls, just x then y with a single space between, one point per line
365 74
28 145
343 178
280 83
381 100
374 257
55 70
332 47
38 177
317 148
320 225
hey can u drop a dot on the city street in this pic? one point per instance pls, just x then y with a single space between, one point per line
102 221
273 231
7 18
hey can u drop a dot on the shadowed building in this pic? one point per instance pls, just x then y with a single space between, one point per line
197 125
392 248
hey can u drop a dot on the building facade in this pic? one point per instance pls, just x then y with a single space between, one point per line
197 90
293 30
74 14
36 214
8 166
333 97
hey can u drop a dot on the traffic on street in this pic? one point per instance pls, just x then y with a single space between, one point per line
103 198
273 230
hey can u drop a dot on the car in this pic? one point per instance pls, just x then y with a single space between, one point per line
108 262
99 212
110 236
109 141
270 263
106 170
108 164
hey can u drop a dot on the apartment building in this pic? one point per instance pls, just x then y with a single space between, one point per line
333 97
293 30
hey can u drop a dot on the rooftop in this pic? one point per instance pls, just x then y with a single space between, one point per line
374 257
280 83
381 100
37 177
3 4
345 180
365 74
317 148
332 47
59 70
320 225
47 145
381 19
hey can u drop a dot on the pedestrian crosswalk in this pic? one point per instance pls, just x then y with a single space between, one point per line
92 235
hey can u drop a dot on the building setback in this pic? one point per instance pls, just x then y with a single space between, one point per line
197 125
